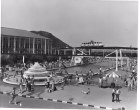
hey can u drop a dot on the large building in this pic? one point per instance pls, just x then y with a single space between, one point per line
16 41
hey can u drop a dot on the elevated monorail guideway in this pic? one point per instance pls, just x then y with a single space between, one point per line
77 59
121 58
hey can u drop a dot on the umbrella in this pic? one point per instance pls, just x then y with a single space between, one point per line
113 75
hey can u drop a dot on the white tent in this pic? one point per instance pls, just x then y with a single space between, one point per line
112 75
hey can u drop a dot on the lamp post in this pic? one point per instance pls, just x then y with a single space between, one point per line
116 60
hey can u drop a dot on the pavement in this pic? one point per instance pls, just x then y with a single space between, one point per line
97 97
36 103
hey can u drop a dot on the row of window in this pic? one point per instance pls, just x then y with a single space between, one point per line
24 45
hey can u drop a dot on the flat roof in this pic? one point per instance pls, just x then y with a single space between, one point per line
20 33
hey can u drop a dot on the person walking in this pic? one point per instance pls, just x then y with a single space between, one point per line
20 85
100 82
129 84
113 94
76 77
52 86
29 84
13 94
100 70
48 82
118 95
26 84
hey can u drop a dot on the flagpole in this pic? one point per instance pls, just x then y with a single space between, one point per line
116 60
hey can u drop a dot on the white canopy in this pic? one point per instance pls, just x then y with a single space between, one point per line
113 75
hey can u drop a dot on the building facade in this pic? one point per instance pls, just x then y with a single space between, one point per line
16 41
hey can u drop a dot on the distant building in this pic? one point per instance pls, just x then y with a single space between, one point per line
18 41
92 44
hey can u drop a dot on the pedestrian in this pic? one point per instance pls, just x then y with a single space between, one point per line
113 94
53 86
26 84
129 84
100 82
20 85
29 85
118 95
21 73
13 94
76 77
63 84
46 83
81 80
16 73
100 70
90 72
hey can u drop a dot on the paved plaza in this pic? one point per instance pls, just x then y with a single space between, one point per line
97 97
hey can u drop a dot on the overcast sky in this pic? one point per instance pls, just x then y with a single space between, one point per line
76 21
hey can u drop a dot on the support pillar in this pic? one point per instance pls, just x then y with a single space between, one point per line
121 58
58 52
2 44
33 45
103 53
64 52
51 47
29 46
45 46
48 48
19 45
8 44
14 44
127 62
41 46
89 51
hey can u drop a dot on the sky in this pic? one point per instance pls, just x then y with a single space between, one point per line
113 22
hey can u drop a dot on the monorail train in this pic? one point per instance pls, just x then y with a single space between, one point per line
92 44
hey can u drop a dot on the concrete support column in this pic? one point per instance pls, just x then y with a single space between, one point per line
29 46
103 53
55 51
8 44
45 46
33 45
121 58
64 52
58 52
41 46
92 51
2 44
24 43
37 46
51 47
127 62
19 45
48 47
89 51
14 44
